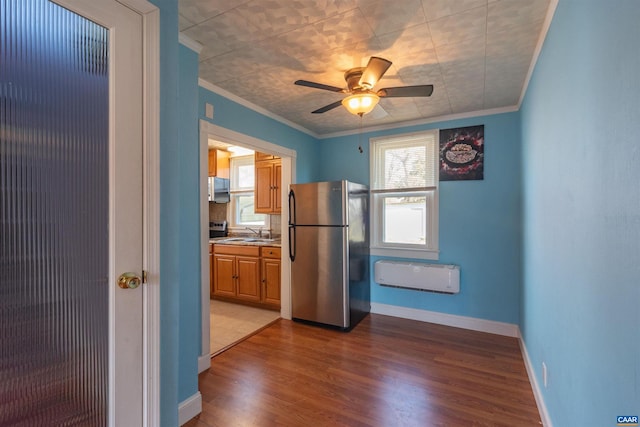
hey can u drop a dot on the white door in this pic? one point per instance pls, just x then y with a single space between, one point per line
126 209
41 229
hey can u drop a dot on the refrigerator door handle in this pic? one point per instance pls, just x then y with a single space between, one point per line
292 207
292 225
292 243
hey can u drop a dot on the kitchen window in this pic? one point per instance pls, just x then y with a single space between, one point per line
404 195
242 184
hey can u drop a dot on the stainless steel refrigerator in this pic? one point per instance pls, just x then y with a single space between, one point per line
329 252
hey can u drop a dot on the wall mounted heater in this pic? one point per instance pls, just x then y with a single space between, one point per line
426 277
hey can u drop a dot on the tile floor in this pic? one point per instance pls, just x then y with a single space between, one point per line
232 322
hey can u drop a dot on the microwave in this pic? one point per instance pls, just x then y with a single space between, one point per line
218 190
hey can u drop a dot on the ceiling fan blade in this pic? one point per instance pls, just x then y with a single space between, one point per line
317 85
327 107
374 71
405 91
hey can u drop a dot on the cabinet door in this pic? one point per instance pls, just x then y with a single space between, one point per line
271 281
213 162
224 275
262 156
263 193
248 278
222 164
210 271
277 193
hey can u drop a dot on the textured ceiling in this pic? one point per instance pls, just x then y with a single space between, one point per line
476 53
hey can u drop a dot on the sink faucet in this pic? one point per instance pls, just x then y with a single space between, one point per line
258 232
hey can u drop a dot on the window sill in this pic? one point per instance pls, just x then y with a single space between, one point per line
406 253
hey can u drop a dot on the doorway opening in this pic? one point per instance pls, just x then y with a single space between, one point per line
245 277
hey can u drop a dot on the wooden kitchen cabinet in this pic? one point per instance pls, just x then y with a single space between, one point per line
268 175
264 156
270 259
219 163
246 274
236 272
210 270
213 162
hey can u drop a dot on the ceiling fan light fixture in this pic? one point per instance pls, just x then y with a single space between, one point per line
360 103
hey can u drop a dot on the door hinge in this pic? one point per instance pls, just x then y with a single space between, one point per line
144 276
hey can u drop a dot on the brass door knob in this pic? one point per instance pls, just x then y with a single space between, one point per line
129 281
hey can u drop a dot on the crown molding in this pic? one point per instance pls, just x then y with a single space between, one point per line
418 122
235 98
190 43
478 113
213 88
553 4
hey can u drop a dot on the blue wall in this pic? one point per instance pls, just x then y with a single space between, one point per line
581 256
233 116
170 211
479 221
190 320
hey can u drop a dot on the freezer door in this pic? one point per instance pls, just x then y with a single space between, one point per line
319 290
318 203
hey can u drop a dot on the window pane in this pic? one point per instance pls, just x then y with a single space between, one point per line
246 176
244 211
405 220
405 167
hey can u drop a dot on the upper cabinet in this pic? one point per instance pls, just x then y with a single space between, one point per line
219 163
267 189
264 156
213 162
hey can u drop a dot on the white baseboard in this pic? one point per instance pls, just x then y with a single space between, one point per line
189 408
542 408
204 363
481 325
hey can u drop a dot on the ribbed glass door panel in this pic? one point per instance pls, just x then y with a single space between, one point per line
54 199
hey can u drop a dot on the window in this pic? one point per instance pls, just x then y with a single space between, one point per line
242 177
404 193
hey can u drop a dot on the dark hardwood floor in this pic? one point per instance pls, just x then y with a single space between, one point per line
385 372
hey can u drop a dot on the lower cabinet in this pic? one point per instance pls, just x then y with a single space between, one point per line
248 274
211 270
236 272
270 260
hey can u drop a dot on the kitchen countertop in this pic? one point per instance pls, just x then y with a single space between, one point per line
245 241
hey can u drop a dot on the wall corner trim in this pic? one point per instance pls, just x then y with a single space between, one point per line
537 393
189 408
471 323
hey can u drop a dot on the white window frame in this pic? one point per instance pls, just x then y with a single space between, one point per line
235 191
429 250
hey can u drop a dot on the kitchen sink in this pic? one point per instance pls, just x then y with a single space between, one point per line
248 240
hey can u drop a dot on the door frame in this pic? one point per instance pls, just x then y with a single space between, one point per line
209 130
150 15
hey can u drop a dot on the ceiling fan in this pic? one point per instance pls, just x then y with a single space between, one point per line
360 82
